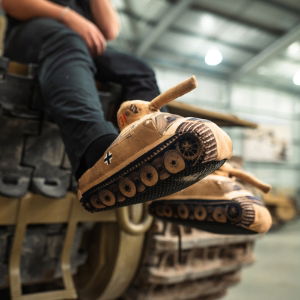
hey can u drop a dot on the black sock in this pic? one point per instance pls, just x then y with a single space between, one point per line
94 151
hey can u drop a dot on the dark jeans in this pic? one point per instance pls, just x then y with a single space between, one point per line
66 77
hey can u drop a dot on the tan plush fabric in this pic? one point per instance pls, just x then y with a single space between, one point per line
223 141
141 136
132 142
220 186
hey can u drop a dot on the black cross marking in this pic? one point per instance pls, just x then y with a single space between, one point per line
108 158
134 108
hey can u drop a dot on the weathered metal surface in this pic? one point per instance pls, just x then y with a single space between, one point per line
31 148
14 176
40 255
185 263
32 152
47 244
18 95
113 259
46 152
206 289
128 225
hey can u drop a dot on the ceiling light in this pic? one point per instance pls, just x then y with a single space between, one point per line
293 49
296 78
207 23
213 57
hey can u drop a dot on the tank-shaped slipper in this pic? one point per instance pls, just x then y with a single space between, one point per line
155 156
217 204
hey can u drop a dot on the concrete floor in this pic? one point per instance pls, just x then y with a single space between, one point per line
276 273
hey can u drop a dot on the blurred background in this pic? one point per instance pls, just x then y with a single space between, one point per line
246 57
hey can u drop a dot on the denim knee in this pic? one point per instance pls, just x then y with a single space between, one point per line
66 44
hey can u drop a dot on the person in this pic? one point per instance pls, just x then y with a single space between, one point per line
70 50
67 39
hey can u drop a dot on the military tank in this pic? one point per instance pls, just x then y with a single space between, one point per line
51 248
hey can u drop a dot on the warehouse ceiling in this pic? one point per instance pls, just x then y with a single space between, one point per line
251 40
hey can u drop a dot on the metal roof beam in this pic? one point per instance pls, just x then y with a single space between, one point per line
175 65
266 82
232 45
274 49
282 6
257 80
191 58
261 81
288 59
187 32
171 62
231 17
162 26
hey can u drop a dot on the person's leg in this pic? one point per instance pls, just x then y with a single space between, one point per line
66 78
137 79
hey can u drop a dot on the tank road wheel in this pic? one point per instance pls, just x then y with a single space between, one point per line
167 211
173 162
158 164
159 210
163 174
234 213
200 213
219 215
149 175
121 198
127 187
189 147
96 202
107 197
183 211
140 187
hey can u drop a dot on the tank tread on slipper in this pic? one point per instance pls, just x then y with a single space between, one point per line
219 204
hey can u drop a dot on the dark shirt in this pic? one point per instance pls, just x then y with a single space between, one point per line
80 6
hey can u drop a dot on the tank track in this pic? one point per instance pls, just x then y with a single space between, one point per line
169 167
42 246
207 265
217 216
33 155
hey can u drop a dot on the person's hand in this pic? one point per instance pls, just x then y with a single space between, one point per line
87 30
